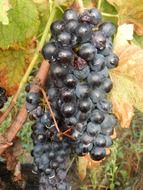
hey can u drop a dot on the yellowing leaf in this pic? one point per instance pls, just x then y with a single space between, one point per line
85 163
23 24
4 8
82 167
12 68
130 12
127 78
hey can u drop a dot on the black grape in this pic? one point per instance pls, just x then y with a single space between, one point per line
80 53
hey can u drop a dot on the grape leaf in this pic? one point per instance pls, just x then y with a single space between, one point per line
82 167
138 40
23 24
127 78
4 8
12 68
130 12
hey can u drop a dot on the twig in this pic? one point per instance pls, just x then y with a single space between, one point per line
50 109
20 119
32 64
71 163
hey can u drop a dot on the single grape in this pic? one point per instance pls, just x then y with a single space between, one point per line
83 32
97 116
98 63
57 27
70 81
33 98
98 153
97 95
96 16
80 127
87 51
93 129
108 28
99 40
82 90
70 14
107 85
104 105
68 109
64 38
65 56
86 139
112 61
82 74
71 26
67 95
52 93
49 51
85 105
2 91
94 79
100 141
82 117
58 71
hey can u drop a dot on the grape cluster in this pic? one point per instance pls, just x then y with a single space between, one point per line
3 97
51 155
80 53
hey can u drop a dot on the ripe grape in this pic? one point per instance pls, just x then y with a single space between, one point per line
80 53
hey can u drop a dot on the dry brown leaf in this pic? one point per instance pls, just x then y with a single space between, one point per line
127 77
17 172
130 12
124 112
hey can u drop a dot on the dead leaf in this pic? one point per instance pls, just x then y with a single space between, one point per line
124 112
12 69
127 78
17 172
130 12
82 167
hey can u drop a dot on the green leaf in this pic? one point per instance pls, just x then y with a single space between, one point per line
23 24
138 40
12 68
4 8
109 12
108 8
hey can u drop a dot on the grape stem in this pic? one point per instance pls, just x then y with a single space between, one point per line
50 109
70 164
80 5
32 64
109 15
6 140
99 4
60 133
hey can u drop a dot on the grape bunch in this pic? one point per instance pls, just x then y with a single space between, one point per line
80 54
3 97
